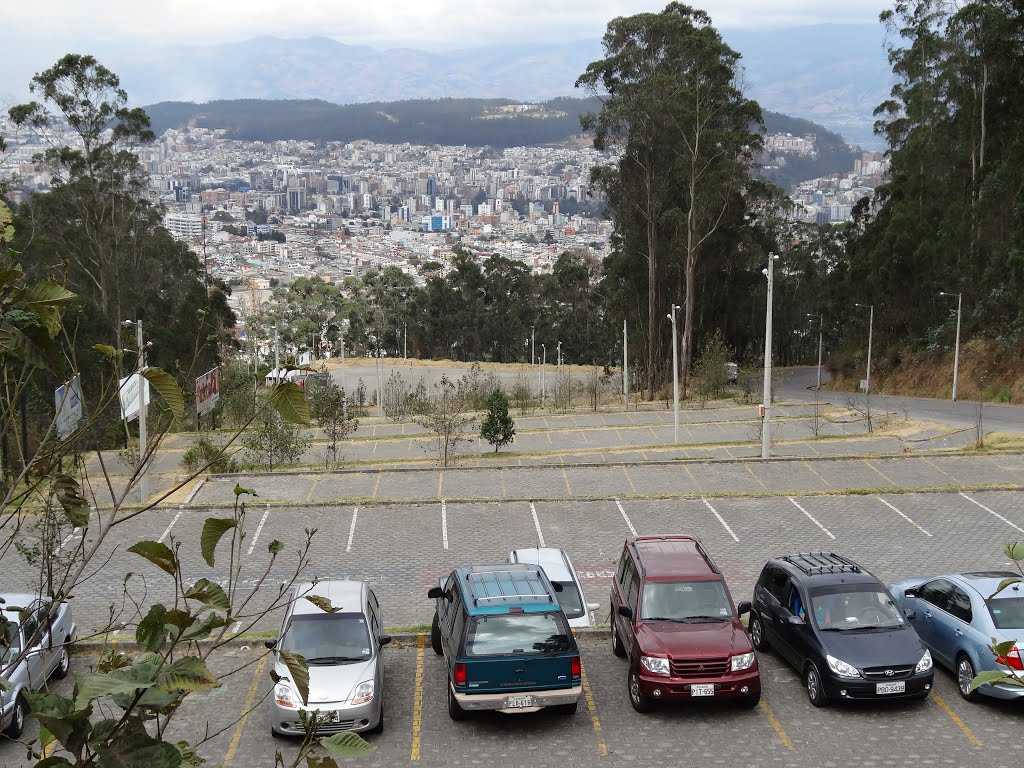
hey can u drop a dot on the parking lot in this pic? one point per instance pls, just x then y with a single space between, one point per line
784 731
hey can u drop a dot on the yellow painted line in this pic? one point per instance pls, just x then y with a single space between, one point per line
549 438
688 430
887 478
236 737
374 447
653 432
417 700
814 448
501 474
693 477
376 486
568 488
574 422
545 418
618 434
440 482
730 453
584 434
953 716
644 454
755 476
936 466
592 708
783 736
49 748
628 478
312 488
826 482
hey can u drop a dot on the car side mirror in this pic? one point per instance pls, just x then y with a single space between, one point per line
625 610
557 586
910 593
270 644
791 619
593 607
743 607
910 613
384 640
435 592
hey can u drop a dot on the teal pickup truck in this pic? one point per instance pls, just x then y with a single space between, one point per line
506 640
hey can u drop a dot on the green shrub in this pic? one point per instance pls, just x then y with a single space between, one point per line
1004 395
204 451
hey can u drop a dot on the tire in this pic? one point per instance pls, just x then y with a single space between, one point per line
379 727
757 638
64 665
455 712
617 647
640 703
815 690
567 709
435 636
274 734
17 726
964 674
749 701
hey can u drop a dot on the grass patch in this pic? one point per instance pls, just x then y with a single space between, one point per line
1002 441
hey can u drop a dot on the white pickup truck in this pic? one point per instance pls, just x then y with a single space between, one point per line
36 646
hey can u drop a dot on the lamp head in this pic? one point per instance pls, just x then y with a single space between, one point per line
765 271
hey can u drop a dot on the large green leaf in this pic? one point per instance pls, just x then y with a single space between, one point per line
202 627
298 671
188 673
168 389
322 603
69 494
106 350
1015 550
90 687
158 554
48 300
70 725
348 744
993 676
53 761
289 400
137 749
9 277
239 490
213 529
1006 583
209 593
189 756
151 633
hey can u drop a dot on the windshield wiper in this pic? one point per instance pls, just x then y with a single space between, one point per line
705 618
334 659
684 620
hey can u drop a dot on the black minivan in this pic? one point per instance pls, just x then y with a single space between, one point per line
839 627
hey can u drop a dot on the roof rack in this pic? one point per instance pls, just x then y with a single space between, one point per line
698 545
814 563
507 585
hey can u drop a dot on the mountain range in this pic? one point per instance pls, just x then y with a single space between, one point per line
834 75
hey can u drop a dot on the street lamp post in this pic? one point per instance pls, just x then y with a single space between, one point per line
405 341
675 375
956 353
769 272
143 436
543 365
871 328
533 345
821 322
625 368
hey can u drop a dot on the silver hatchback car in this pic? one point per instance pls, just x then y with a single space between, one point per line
559 570
342 649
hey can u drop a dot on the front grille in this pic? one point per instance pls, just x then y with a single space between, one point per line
879 673
699 667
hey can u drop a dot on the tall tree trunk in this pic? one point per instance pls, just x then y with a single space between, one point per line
652 293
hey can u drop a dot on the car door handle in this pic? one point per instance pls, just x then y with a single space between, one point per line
927 614
959 633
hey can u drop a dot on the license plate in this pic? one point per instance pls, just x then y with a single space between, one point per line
333 716
883 688
702 690
518 702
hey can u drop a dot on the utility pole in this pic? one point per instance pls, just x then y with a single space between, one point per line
675 376
405 342
871 330
625 368
533 345
956 353
543 365
767 395
143 437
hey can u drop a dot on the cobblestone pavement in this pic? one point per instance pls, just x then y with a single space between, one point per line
784 731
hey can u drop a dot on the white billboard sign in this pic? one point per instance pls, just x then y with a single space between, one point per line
207 391
68 402
130 391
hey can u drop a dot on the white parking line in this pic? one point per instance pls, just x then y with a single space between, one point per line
352 529
444 524
991 512
259 528
890 506
625 517
536 524
167 530
715 513
811 518
195 490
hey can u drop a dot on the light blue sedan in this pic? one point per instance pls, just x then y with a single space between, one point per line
957 616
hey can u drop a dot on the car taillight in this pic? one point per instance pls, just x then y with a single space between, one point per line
577 667
1012 660
460 674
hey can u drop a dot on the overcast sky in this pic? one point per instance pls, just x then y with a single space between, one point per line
425 24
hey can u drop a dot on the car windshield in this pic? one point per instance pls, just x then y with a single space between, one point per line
685 601
1007 612
328 638
570 601
517 633
10 642
843 607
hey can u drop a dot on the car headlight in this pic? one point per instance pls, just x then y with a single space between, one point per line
656 665
363 692
924 664
742 661
284 696
841 668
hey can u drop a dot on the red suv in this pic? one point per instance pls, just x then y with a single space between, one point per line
672 614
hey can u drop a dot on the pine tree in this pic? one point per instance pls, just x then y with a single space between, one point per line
498 428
